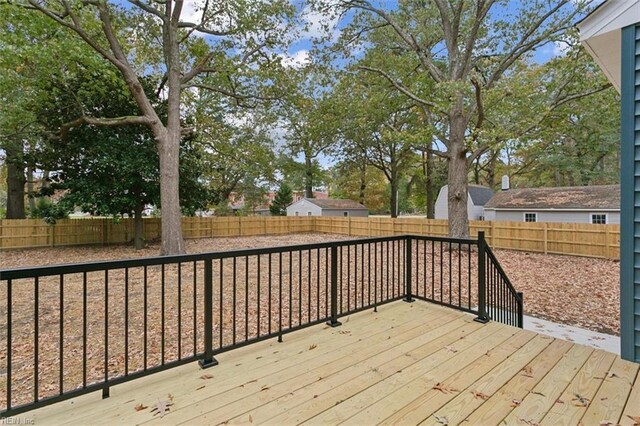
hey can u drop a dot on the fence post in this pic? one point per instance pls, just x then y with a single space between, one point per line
546 237
209 360
482 285
333 322
520 309
407 273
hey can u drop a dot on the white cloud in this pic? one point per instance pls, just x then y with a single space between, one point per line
560 48
191 11
317 25
297 60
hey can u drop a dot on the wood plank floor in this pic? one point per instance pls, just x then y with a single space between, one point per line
412 363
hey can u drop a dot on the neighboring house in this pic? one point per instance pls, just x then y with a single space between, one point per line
237 202
478 197
327 207
611 34
572 204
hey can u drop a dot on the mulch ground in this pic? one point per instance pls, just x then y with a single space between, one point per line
576 291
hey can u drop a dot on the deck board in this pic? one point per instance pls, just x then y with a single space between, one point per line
405 364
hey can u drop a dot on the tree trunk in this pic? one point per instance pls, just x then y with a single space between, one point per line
15 183
393 206
169 144
458 180
363 182
138 229
31 196
308 177
431 190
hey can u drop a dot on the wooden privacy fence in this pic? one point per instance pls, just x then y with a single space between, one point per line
601 241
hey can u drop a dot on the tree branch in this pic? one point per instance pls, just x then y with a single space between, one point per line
400 87
105 122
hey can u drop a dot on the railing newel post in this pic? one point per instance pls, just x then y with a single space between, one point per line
333 322
208 360
520 309
408 297
482 284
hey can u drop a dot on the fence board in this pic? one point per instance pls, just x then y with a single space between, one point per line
602 241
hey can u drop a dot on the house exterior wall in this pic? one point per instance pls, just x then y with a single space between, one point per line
303 208
630 194
442 206
340 213
613 217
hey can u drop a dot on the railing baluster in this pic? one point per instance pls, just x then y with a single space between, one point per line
61 342
126 321
234 300
84 330
375 277
309 287
221 310
145 309
9 339
179 310
162 311
195 308
270 283
36 326
299 287
246 297
105 389
280 298
258 295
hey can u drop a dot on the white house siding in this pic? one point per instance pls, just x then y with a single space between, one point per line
442 206
303 208
613 217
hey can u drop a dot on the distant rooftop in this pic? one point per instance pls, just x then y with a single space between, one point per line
606 197
334 203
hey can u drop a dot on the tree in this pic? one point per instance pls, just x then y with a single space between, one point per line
456 54
110 171
281 201
155 37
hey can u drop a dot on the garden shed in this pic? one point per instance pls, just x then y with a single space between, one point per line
327 207
477 198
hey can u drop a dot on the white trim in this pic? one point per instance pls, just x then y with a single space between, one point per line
606 218
524 217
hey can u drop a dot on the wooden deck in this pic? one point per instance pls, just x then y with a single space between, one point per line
406 364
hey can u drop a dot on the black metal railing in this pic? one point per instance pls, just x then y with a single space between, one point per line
78 328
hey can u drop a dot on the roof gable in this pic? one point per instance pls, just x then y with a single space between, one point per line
601 197
480 195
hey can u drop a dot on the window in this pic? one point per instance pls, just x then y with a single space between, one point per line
346 214
531 217
297 213
480 217
308 213
599 218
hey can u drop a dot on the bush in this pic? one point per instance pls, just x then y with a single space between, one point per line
48 211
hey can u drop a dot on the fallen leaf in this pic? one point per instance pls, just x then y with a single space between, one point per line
161 408
450 349
201 387
140 407
480 395
537 393
444 389
580 401
559 401
442 420
635 420
515 402
312 347
206 377
529 422
527 371
264 388
606 423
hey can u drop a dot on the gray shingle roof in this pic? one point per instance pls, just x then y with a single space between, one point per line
570 197
480 194
333 203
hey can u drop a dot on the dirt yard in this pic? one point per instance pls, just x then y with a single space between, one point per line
582 292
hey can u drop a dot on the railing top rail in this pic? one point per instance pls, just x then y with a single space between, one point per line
73 268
